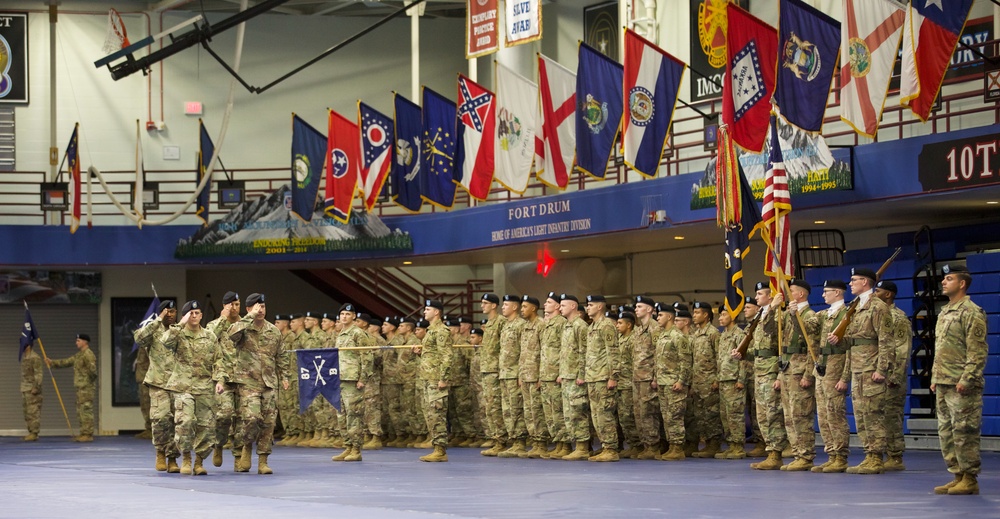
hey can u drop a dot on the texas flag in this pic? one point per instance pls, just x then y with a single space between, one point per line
752 50
376 147
869 40
930 33
477 111
555 138
343 161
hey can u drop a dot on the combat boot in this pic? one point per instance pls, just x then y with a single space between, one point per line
245 458
943 489
145 435
736 452
262 467
330 442
710 450
874 467
799 465
467 442
355 454
456 441
514 451
338 442
217 456
161 461
674 453
629 453
172 467
567 449
199 470
894 464
186 464
787 452
580 453
317 441
84 438
647 453
968 486
857 468
837 465
31 437
536 452
773 462
373 444
821 466
605 455
439 455
418 440
493 451
759 451
426 444
690 448
343 455
305 439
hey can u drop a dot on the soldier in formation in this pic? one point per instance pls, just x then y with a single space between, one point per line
84 365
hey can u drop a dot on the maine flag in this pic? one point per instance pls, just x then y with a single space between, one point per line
747 87
930 33
205 151
73 157
476 127
308 147
407 132
376 152
318 375
810 43
28 332
652 79
343 162
598 111
437 157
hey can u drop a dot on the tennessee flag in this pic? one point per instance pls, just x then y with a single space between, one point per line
73 157
869 40
343 160
930 33
477 111
752 51
376 147
555 137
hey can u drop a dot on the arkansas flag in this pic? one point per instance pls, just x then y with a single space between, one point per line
752 50
376 148
343 161
930 34
869 40
477 112
555 137
73 156
652 79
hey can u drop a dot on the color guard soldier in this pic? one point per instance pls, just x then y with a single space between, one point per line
831 402
798 399
902 334
355 372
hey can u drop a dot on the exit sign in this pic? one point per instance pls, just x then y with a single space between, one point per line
192 108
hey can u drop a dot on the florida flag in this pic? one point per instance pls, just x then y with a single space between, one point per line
652 80
752 50
555 137
869 40
376 148
930 34
343 160
477 112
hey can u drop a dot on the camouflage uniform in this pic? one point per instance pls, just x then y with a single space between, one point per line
701 417
511 398
355 366
765 369
460 399
85 382
196 353
435 366
960 351
392 387
732 401
529 362
489 365
870 338
161 402
225 402
572 355
831 405
624 401
257 366
141 367
31 390
647 411
476 392
373 390
902 334
288 400
324 416
413 389
552 407
798 403
603 363
673 364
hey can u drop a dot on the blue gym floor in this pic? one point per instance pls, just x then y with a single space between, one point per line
114 477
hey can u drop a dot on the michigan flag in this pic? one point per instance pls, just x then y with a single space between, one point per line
476 127
810 42
318 375
308 146
73 157
406 168
930 34
598 111
205 151
437 157
342 165
752 50
376 152
28 332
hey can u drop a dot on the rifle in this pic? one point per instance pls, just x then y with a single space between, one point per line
745 343
842 327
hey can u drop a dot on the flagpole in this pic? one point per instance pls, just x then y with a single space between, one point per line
58 395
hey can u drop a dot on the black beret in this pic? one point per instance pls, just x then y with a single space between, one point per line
863 272
164 305
702 305
885 284
253 299
512 297
332 316
761 285
835 283
281 317
484 321
407 320
682 310
722 308
532 300
750 300
628 316
317 315
476 331
230 297
464 319
490 297
596 299
83 336
801 283
568 297
664 307
190 305
646 300
450 321
422 323
434 303
392 320
348 307
580 308
296 316
948 269
553 296
626 308
362 317
374 321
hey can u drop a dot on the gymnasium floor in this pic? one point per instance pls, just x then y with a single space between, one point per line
114 477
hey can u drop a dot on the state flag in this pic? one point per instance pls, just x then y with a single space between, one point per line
555 138
869 41
599 110
752 53
73 158
147 318
376 148
516 109
406 168
437 166
319 374
205 151
28 332
810 45
343 161
930 33
476 126
308 145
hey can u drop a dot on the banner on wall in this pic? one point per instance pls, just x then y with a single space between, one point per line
601 29
482 36
14 58
958 163
708 46
523 21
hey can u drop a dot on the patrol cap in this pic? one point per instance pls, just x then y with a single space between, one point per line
190 305
801 283
476 331
703 306
863 272
761 286
512 297
664 307
296 316
885 284
83 336
434 303
230 297
532 300
316 315
490 297
553 296
628 316
835 283
422 323
596 298
646 300
253 299
568 297
348 307
949 269
164 305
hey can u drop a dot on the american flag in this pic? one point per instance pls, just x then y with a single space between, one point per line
777 206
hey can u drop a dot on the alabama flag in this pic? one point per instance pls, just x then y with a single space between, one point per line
343 161
376 148
869 40
752 50
477 112
930 34
555 138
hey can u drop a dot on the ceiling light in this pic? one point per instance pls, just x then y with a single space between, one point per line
564 250
678 237
992 202
819 222
407 263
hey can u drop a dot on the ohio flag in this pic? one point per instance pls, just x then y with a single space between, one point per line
555 137
376 148
343 160
869 40
752 50
930 33
476 127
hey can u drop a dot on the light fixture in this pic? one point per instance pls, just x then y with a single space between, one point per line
992 202
819 222
564 250
407 263
678 237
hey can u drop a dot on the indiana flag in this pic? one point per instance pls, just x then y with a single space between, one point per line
376 152
598 111
406 168
752 51
318 375
555 138
28 332
205 151
777 206
516 106
868 48
343 160
652 80
73 157
437 166
930 33
308 145
810 42
476 126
